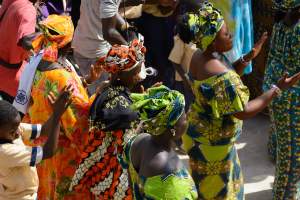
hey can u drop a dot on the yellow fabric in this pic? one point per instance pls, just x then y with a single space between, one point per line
57 32
18 180
212 133
154 10
182 54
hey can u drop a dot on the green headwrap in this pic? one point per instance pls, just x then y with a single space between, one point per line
159 108
285 5
204 24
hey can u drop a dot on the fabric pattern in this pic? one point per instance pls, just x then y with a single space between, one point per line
57 32
55 174
178 185
101 169
284 5
159 108
211 136
123 58
284 57
204 25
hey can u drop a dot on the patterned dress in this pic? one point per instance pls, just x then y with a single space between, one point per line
284 56
212 133
177 185
101 169
55 174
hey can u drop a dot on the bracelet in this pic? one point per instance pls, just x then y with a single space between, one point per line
242 60
277 89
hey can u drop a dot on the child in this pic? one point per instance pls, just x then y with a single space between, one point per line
18 176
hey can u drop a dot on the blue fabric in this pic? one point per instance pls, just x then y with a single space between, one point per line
241 11
33 156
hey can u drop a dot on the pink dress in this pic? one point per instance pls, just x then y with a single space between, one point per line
19 20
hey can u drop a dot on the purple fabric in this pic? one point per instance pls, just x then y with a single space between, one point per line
56 7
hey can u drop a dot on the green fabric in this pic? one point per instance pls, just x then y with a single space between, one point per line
204 24
174 186
284 56
159 108
212 133
284 5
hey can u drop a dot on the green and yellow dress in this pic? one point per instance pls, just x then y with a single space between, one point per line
177 185
212 133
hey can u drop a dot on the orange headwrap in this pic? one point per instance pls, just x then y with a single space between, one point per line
57 32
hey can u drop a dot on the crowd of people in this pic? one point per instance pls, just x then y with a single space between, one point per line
99 97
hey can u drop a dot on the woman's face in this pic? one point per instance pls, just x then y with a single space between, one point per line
131 78
223 41
181 126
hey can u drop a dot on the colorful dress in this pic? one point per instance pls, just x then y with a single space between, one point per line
177 185
111 125
55 174
284 56
212 133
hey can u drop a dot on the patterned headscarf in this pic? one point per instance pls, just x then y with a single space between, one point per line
57 32
159 108
285 5
204 24
123 58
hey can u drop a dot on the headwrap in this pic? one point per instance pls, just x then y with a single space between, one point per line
285 5
57 32
123 58
159 108
204 24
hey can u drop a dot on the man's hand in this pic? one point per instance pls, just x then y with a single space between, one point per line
286 82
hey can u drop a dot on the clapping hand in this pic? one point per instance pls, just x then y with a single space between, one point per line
257 48
61 103
286 82
95 73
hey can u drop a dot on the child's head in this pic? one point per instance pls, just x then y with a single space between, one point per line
9 121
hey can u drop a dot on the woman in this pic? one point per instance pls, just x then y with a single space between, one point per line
155 168
284 58
112 123
51 76
221 103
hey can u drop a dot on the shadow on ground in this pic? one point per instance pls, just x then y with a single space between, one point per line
257 168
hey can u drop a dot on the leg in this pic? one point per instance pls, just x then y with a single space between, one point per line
287 121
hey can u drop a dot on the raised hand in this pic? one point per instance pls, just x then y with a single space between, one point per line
95 73
257 48
61 103
286 82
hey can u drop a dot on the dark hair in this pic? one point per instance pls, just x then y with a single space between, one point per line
183 30
279 15
8 113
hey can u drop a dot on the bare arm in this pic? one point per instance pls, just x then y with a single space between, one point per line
110 32
52 126
257 105
240 65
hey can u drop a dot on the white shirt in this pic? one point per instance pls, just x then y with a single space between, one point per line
88 38
18 176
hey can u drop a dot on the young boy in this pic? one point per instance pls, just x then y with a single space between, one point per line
18 176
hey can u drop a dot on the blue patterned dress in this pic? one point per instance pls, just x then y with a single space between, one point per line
284 56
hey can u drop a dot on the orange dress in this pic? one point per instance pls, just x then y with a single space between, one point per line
55 174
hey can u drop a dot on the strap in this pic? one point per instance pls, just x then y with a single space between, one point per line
11 66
